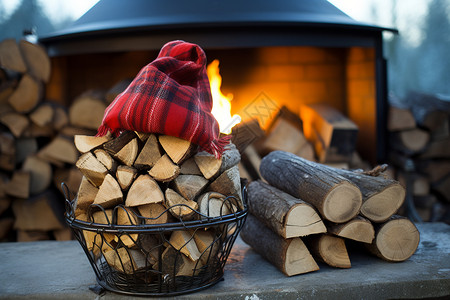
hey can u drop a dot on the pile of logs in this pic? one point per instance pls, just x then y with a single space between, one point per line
305 211
141 178
419 129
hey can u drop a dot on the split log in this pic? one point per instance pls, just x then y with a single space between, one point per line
40 174
189 167
245 133
16 123
85 143
329 249
85 197
25 147
87 110
114 145
427 109
144 190
358 229
60 117
94 170
127 155
126 216
126 260
409 141
175 263
154 213
164 170
98 242
229 184
106 159
290 256
251 161
395 240
36 59
8 151
19 185
61 150
212 167
149 154
212 205
335 197
178 149
184 242
400 119
285 137
286 215
180 207
207 245
435 170
189 186
42 115
109 193
70 176
10 56
150 244
125 176
27 95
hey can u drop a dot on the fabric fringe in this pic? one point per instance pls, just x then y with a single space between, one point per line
217 146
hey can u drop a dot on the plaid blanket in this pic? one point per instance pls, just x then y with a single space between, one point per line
170 96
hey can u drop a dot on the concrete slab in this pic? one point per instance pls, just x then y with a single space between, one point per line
60 270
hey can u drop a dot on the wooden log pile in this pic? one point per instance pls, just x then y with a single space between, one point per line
305 212
140 178
419 136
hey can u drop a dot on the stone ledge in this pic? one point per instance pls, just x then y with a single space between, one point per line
60 270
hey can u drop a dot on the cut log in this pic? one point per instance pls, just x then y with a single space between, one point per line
85 197
42 115
329 249
184 242
212 205
94 170
149 154
435 170
40 174
17 123
87 110
126 260
335 197
207 245
336 132
229 184
19 185
290 256
175 263
180 207
126 216
395 240
285 137
85 143
60 149
164 170
212 167
109 193
409 141
60 117
189 186
26 96
178 149
358 229
8 151
150 244
189 167
115 145
36 59
154 213
284 214
125 176
245 133
400 119
10 56
106 159
144 190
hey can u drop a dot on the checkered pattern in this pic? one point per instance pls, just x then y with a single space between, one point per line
170 96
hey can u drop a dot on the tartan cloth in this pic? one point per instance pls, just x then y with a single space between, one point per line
170 96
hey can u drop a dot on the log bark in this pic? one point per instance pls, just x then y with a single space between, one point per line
212 205
329 249
212 167
106 159
335 197
229 184
290 256
245 133
85 197
358 229
284 214
395 240
189 167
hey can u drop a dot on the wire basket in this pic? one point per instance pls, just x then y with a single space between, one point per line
145 258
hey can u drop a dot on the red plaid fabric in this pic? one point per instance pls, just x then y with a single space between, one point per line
170 96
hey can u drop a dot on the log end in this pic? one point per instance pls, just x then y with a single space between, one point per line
342 203
381 206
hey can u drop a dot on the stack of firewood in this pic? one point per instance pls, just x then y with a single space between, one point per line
419 128
145 178
306 210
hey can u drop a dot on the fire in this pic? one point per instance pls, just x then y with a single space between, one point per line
221 104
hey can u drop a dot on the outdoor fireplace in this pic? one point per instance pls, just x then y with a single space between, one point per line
301 52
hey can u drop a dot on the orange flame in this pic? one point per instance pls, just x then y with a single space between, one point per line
221 104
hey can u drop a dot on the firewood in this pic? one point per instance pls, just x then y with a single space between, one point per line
212 205
189 167
117 89
435 169
427 109
212 167
290 256
126 260
409 141
144 190
70 176
8 151
60 118
10 56
395 240
332 134
164 170
60 149
251 160
32 235
94 170
189 186
184 242
150 244
125 176
106 159
419 183
400 119
177 149
87 110
229 184
64 234
114 145
358 229
42 115
17 123
245 133
26 96
285 137
40 174
19 185
329 249
35 131
85 143
85 197
71 131
98 242
149 154
207 245
126 216
335 197
175 263
6 224
5 202
180 207
109 193
36 59
154 213
437 149
243 171
284 214
25 147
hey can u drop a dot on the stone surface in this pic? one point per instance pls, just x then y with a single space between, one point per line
60 270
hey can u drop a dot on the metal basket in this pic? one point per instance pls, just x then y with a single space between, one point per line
141 260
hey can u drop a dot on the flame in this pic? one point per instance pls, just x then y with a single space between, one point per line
221 104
